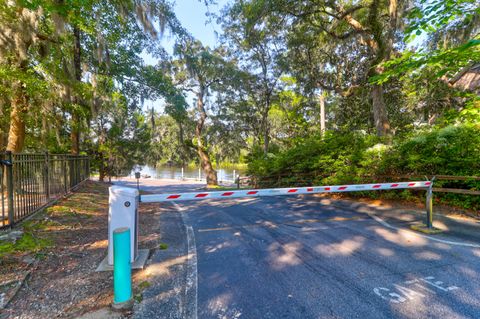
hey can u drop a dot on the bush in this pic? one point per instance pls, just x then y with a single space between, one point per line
353 157
453 150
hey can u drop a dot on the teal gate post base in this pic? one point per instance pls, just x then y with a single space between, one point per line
127 305
122 271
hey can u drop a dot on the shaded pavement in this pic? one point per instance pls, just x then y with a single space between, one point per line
312 257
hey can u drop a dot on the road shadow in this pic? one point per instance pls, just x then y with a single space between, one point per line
298 258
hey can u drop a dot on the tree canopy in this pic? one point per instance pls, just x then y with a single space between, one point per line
73 79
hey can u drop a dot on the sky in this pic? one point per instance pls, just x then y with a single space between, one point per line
192 15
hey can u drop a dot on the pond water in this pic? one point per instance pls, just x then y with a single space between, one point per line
174 172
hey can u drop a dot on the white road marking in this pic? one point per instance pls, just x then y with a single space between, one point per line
407 292
454 243
192 278
395 298
400 293
437 284
191 287
416 283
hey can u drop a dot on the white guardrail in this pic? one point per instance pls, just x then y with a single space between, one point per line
427 185
282 191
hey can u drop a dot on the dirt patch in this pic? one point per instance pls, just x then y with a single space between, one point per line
57 279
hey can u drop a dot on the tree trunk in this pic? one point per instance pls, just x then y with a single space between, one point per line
380 118
322 113
58 136
265 130
210 173
44 133
152 119
101 169
75 127
181 140
266 136
2 140
16 134
4 123
266 125
426 114
393 15
75 134
102 165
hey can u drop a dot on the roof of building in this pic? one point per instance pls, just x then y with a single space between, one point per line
468 79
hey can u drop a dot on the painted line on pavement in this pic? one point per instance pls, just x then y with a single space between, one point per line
454 243
413 289
191 287
192 278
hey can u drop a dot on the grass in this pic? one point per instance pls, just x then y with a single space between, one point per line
36 237
138 297
32 240
37 224
28 242
215 187
144 285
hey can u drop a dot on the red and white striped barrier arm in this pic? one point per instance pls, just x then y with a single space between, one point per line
282 191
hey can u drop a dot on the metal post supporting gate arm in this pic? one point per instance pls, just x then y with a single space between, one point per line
429 204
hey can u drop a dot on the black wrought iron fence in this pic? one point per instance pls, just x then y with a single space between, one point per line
31 181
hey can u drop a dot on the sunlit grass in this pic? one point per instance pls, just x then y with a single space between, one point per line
40 231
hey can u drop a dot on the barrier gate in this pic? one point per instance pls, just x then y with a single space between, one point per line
124 201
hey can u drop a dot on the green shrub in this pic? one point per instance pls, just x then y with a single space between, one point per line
453 150
351 157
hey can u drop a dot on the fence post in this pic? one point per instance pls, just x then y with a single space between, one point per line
10 189
429 205
74 171
88 167
47 175
238 181
64 169
71 173
199 174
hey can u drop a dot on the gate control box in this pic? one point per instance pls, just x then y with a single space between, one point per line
123 212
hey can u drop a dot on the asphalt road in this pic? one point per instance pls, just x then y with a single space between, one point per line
308 257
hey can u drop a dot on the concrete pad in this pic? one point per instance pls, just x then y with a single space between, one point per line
424 229
139 263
